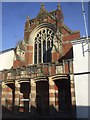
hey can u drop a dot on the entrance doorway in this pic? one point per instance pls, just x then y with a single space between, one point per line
25 90
64 95
42 97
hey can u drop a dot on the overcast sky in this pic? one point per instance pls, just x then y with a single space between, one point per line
14 17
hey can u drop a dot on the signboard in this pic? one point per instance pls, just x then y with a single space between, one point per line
24 99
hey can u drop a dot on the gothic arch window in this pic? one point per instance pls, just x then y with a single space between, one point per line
43 44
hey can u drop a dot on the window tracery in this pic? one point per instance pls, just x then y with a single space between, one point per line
43 44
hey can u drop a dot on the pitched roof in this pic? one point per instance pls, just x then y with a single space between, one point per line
7 50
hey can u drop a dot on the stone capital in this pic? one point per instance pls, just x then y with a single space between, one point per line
17 84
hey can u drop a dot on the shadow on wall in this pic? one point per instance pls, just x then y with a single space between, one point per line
68 55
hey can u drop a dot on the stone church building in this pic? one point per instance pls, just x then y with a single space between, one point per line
41 80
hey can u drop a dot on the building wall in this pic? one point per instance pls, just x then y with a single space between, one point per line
81 78
6 62
23 63
0 102
25 50
6 59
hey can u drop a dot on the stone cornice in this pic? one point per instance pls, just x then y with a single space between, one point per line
80 40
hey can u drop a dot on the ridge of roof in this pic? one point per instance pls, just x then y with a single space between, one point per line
7 50
49 13
68 29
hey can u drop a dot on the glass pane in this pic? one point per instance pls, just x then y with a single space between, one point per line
48 44
44 46
35 54
39 53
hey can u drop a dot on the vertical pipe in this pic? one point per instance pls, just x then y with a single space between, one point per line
84 18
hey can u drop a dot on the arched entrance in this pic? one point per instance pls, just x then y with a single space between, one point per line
42 97
64 95
25 98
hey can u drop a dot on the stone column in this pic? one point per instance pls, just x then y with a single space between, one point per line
4 94
30 98
73 100
33 97
17 96
72 84
56 98
51 97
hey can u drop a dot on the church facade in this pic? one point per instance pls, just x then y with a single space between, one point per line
41 80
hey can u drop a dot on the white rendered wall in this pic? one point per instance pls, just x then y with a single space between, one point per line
6 60
81 80
80 60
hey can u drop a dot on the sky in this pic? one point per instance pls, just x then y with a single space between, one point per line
14 16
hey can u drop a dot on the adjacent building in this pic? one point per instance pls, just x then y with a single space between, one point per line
6 62
6 59
81 50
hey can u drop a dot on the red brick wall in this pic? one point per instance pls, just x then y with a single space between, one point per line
18 63
55 56
67 36
29 58
71 36
29 55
